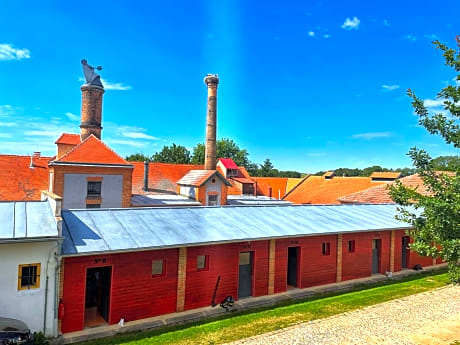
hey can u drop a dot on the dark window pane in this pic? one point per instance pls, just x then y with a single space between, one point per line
93 205
157 267
212 200
94 188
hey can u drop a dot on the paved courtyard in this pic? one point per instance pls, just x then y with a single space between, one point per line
427 318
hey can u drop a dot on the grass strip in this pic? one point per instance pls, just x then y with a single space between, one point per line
235 326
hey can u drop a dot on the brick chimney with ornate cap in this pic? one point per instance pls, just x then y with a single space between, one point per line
91 102
210 160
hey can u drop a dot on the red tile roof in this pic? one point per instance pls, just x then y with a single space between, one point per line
386 174
163 177
277 184
228 163
318 190
92 150
379 194
69 139
198 178
18 181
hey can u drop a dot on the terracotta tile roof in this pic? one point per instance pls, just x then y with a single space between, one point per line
318 190
387 175
69 139
197 178
228 163
277 185
92 150
379 194
163 177
292 182
18 182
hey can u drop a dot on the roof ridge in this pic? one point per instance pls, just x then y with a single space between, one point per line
28 156
297 185
86 140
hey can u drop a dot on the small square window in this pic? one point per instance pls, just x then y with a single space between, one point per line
212 200
202 262
158 268
94 189
326 248
351 246
29 277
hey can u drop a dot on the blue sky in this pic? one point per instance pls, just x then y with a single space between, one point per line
313 85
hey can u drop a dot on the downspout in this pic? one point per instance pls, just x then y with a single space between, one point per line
46 287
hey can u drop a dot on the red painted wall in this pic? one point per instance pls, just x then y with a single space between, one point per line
358 264
135 294
314 268
223 262
414 258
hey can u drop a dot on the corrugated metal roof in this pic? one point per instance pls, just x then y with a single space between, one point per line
104 230
162 200
26 220
255 200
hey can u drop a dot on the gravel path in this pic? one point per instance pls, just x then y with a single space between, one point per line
427 318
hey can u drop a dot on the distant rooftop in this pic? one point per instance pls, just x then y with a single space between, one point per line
143 200
251 200
22 221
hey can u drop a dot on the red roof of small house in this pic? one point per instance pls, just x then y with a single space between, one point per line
318 190
163 177
386 174
69 139
20 182
92 150
228 163
198 178
380 194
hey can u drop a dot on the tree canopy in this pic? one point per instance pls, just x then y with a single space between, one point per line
172 154
436 218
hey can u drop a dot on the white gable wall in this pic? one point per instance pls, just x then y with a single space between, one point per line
28 305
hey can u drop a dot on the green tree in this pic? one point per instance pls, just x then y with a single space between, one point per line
446 163
138 157
435 216
226 148
267 169
172 154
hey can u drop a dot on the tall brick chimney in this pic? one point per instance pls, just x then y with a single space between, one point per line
210 160
91 110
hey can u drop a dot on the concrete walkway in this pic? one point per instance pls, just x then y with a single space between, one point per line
209 312
431 317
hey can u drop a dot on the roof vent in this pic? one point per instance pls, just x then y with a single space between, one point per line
385 176
329 175
37 154
31 166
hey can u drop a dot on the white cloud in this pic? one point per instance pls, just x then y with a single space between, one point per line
433 103
138 135
126 142
326 36
311 34
456 81
115 86
350 24
8 124
410 38
5 135
390 87
431 37
40 133
385 22
372 135
72 116
8 52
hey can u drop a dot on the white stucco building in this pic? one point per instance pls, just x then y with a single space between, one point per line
29 264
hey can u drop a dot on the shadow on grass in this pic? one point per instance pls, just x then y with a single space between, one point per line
139 335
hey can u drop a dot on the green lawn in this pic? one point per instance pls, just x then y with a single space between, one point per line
237 326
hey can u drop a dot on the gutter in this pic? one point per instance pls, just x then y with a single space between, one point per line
31 240
92 165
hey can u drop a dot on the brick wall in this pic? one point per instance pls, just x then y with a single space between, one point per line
59 171
223 262
135 294
314 268
358 264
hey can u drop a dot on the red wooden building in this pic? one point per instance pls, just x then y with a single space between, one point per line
137 263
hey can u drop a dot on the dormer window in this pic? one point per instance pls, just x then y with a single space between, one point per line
232 172
94 189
